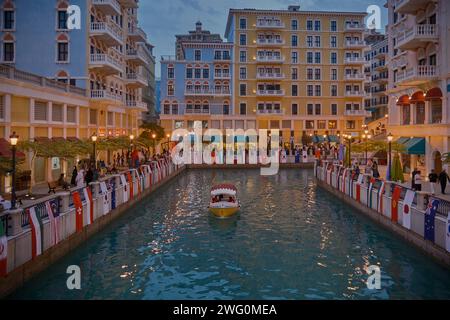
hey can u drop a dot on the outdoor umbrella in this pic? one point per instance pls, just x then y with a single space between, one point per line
397 171
341 153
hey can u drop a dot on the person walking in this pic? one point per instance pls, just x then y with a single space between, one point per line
89 176
443 178
418 181
73 181
433 178
80 178
413 179
375 172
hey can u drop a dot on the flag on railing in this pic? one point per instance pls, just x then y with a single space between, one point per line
344 176
37 237
89 204
3 251
358 187
53 216
125 188
380 198
447 233
130 183
113 194
394 203
104 191
407 203
369 192
430 214
78 211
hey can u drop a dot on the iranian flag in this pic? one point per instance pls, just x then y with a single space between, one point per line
37 238
3 251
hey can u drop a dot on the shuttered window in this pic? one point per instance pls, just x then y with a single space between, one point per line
71 114
57 112
40 111
2 107
110 119
93 117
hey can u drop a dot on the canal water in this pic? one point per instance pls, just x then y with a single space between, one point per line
291 240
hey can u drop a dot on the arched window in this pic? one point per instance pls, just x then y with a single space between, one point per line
166 108
9 54
62 49
9 16
170 88
61 16
175 107
62 76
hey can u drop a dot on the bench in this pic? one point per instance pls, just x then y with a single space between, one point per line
52 185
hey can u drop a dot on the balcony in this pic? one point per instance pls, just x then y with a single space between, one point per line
109 33
129 3
137 34
270 42
136 80
380 79
136 104
355 94
354 27
355 44
410 6
355 61
267 112
105 64
222 75
380 66
108 7
357 113
205 111
270 59
417 76
270 93
105 96
137 56
207 92
355 77
417 36
270 76
269 24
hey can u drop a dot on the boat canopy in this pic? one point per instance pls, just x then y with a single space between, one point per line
227 189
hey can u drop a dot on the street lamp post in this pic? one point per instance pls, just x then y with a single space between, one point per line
390 138
14 138
94 145
154 143
130 160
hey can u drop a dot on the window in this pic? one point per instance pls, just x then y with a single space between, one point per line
62 19
179 124
110 118
40 111
310 90
294 90
294 24
318 90
243 39
333 74
63 52
294 57
226 55
317 41
8 19
198 55
433 60
171 73
205 73
189 73
170 89
243 89
57 112
8 52
243 109
243 23
332 124
350 124
294 73
334 90
71 115
321 124
317 74
310 109
197 73
217 55
294 40
309 41
317 25
309 124
309 25
333 59
309 74
317 57
333 42
243 56
333 25
309 57
243 73
294 109
318 109
92 117
334 109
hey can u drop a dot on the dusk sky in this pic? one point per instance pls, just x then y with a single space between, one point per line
163 19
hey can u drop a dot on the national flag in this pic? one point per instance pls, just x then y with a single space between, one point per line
130 183
430 215
78 211
394 203
104 191
53 216
37 236
89 205
344 177
123 181
407 203
447 231
369 192
3 251
380 197
113 194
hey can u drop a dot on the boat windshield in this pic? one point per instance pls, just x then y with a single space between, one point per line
223 198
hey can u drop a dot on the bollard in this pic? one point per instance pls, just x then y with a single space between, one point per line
421 200
14 221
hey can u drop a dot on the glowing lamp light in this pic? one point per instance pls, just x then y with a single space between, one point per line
390 137
153 136
13 139
94 137
131 137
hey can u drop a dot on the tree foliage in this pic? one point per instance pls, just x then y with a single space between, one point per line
152 128
376 145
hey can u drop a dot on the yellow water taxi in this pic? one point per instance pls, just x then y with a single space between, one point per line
224 202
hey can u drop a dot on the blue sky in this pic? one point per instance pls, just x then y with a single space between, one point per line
162 19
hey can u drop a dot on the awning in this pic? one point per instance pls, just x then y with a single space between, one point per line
402 140
318 139
333 138
415 146
5 150
403 100
434 94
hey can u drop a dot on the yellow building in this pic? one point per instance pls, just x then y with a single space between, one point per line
298 71
39 108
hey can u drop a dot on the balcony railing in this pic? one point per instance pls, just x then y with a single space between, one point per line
420 73
413 38
105 95
270 92
354 60
222 75
129 3
263 23
355 77
270 59
269 112
208 92
355 93
136 104
101 60
137 55
355 27
410 6
137 78
196 111
275 76
270 42
109 7
355 44
107 32
357 113
137 33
